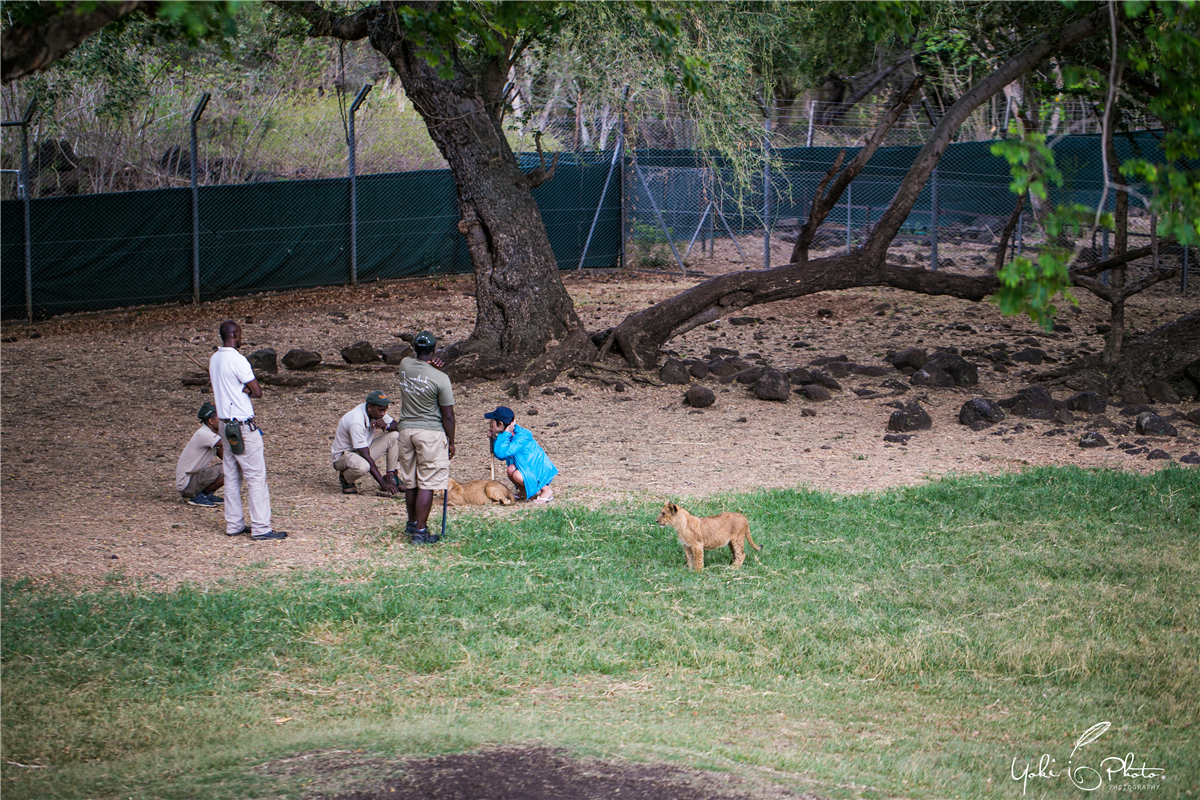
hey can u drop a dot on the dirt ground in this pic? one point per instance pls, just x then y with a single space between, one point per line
512 773
95 413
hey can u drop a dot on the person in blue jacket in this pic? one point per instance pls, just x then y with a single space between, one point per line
529 468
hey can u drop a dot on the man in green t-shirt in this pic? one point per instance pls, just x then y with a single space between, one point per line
426 423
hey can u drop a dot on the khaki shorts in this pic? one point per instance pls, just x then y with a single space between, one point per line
424 459
205 477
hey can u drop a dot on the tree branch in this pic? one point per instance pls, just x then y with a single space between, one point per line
27 49
910 188
821 209
324 22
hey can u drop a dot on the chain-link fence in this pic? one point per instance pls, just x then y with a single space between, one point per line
677 199
276 202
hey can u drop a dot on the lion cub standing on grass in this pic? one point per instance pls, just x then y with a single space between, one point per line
698 534
479 493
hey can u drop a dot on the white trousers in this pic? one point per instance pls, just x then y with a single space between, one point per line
249 468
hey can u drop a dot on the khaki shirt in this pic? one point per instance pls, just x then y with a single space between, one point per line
199 453
423 390
355 431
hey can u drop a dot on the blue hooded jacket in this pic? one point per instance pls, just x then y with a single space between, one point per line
520 449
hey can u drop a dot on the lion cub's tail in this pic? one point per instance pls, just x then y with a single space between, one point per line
750 538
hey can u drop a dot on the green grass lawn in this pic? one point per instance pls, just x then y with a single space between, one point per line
922 643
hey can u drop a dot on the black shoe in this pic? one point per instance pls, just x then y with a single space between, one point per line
432 538
239 533
270 536
419 535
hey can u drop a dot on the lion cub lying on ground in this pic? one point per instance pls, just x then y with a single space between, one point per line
479 493
698 534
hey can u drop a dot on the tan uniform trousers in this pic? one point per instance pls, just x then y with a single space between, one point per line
424 459
205 477
353 466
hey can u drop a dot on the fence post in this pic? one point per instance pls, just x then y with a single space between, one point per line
767 194
600 205
23 194
352 144
811 106
196 112
933 221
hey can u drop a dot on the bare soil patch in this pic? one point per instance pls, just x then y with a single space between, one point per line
95 413
513 773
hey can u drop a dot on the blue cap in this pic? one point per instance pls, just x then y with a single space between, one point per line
504 415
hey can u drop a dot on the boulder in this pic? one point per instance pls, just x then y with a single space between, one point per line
933 376
1193 416
871 371
721 352
1190 458
359 353
914 357
749 376
263 362
823 360
1093 439
979 413
698 370
394 355
699 397
962 371
720 368
301 359
1086 403
772 385
821 379
1158 455
1134 397
896 438
800 376
674 371
1030 355
1192 372
1033 401
841 369
1186 388
1161 392
909 417
1151 424
817 394
1063 417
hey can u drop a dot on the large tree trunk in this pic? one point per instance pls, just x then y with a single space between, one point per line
523 311
1163 353
641 336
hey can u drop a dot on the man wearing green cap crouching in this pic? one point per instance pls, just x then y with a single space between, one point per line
365 434
196 476
426 434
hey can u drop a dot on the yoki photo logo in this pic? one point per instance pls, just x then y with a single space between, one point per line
1089 768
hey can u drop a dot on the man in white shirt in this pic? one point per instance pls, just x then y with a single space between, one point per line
233 384
364 435
196 476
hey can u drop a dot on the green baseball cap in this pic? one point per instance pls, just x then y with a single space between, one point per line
378 399
207 410
425 339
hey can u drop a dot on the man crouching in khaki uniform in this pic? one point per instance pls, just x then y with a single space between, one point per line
365 434
196 476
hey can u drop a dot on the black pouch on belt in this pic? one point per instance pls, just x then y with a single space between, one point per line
233 434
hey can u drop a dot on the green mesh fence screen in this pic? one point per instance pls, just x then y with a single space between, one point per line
107 251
